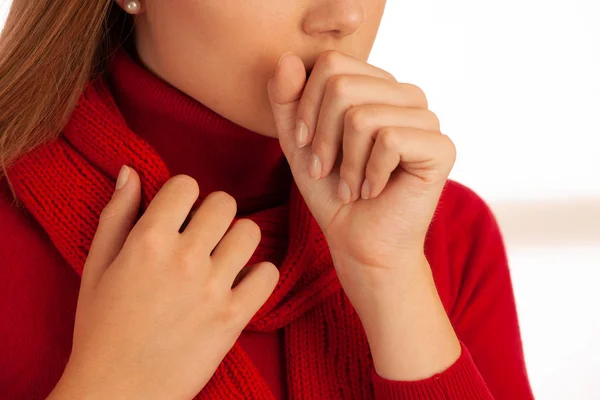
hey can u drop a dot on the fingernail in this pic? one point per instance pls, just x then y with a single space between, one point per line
279 62
315 167
344 192
283 55
366 190
301 133
122 178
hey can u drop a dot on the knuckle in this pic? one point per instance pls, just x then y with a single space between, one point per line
188 262
358 119
338 86
212 289
388 139
111 210
224 202
390 76
328 61
272 273
235 313
151 238
451 147
435 121
213 293
250 229
419 95
186 182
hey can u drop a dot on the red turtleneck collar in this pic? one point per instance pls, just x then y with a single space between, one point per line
194 140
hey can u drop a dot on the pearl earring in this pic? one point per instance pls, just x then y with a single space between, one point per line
132 6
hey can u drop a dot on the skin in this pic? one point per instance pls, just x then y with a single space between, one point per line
347 104
204 48
371 165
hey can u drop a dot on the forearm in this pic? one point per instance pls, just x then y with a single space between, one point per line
408 330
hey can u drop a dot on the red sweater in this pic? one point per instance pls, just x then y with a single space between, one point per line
38 292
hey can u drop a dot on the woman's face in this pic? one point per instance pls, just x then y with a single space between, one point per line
223 52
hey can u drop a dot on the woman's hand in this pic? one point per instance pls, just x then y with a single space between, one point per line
156 312
370 161
372 136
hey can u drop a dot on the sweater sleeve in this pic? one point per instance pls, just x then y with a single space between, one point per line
460 381
482 312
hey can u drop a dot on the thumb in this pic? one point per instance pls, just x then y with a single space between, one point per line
285 90
116 221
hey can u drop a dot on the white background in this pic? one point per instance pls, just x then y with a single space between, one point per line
516 84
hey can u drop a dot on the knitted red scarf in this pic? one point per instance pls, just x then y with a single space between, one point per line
66 183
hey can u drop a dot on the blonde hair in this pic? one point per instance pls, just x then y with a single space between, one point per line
48 51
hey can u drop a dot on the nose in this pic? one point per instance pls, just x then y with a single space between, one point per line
337 18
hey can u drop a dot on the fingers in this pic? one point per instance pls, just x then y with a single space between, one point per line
285 90
171 205
329 64
115 222
254 289
426 155
236 248
342 92
361 124
210 222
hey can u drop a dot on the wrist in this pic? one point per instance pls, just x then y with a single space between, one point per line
375 290
408 330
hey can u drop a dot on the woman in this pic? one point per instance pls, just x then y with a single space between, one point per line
282 225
